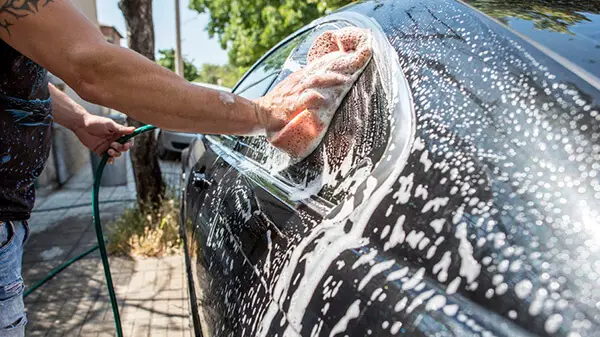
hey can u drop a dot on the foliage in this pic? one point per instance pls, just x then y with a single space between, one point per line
555 16
248 28
140 232
223 75
167 60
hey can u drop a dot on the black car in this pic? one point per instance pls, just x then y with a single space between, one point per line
456 192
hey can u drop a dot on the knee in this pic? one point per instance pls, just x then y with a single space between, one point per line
11 290
15 327
12 309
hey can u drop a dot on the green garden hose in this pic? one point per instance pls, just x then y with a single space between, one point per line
57 270
85 204
98 225
99 236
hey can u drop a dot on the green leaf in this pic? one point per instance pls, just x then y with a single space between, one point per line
249 28
167 60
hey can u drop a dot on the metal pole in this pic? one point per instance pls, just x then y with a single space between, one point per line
178 54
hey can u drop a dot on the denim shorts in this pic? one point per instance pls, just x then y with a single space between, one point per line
12 311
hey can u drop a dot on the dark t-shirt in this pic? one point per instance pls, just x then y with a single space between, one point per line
25 131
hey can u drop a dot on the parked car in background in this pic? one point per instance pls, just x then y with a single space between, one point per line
456 193
172 142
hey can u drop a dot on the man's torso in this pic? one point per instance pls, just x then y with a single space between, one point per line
25 131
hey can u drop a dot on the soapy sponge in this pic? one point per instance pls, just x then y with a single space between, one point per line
343 53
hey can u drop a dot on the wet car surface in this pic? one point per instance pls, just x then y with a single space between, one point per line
456 192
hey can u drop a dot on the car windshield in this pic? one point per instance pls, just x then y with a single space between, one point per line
568 28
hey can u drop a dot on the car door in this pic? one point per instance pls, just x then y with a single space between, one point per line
219 227
261 207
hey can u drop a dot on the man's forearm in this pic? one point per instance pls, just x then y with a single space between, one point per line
121 79
66 111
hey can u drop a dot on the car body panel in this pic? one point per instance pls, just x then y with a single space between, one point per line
485 222
174 141
570 29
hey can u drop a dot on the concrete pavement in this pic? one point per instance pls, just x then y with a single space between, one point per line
152 292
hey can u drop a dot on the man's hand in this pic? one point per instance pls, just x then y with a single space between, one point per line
301 107
293 95
99 134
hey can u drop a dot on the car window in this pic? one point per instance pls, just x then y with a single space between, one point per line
355 141
257 147
296 58
261 77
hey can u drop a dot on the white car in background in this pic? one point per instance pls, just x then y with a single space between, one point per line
172 142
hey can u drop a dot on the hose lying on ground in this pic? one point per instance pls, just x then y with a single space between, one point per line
99 235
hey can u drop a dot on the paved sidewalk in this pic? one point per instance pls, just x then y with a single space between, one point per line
152 292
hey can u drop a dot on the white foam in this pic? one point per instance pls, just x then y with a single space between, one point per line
437 224
424 159
441 268
395 327
352 313
535 308
523 288
414 280
431 252
469 267
435 204
403 193
397 236
421 191
435 303
226 98
397 274
267 266
365 258
376 293
413 238
400 305
553 323
385 232
450 309
453 286
375 270
419 300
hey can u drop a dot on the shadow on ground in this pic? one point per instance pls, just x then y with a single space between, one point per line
151 292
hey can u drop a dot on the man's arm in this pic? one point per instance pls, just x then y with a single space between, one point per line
66 111
95 132
56 35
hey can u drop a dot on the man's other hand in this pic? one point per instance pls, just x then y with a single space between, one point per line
99 134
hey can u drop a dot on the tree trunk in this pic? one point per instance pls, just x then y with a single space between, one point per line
140 37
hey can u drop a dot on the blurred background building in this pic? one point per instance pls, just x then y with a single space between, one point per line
68 154
111 34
